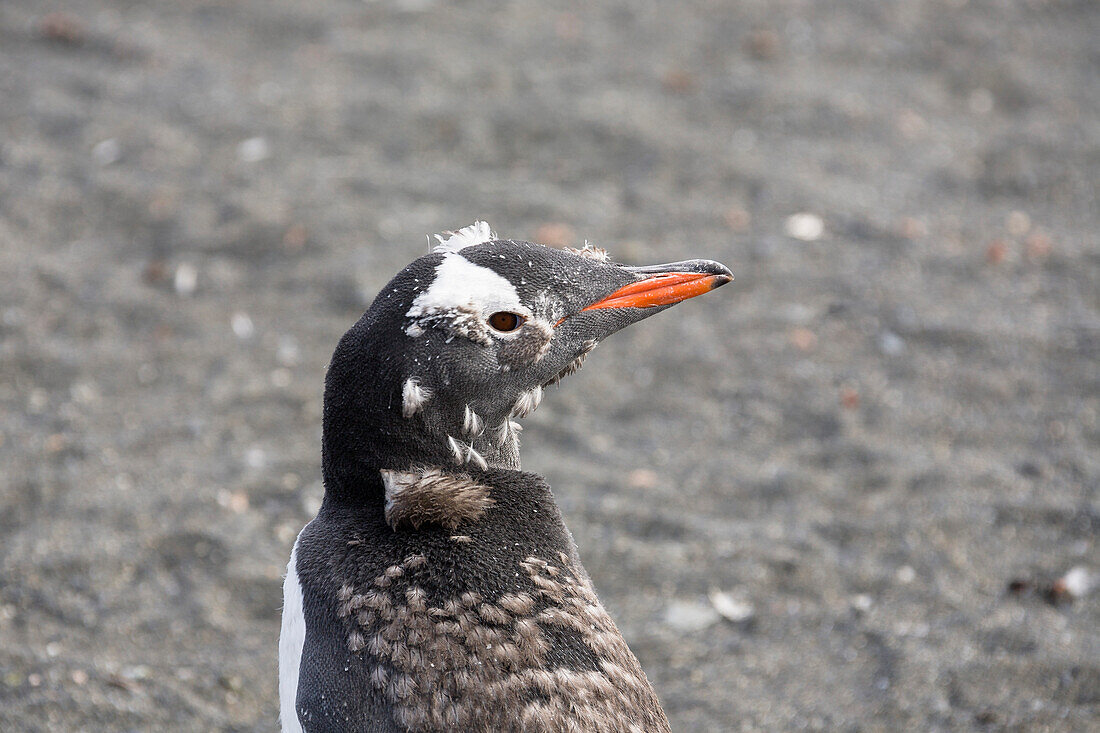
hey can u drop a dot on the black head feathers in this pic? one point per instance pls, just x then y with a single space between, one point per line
461 343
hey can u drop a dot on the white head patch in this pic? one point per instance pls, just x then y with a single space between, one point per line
477 233
463 295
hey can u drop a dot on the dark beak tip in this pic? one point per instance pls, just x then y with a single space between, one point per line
703 267
719 272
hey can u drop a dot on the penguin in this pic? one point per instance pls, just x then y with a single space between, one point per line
438 588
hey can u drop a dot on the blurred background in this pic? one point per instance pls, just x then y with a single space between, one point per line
855 490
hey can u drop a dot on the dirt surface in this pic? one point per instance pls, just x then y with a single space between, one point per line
876 452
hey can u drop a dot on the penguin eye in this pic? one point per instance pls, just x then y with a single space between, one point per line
505 321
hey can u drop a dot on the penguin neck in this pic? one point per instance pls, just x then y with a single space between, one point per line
354 458
370 424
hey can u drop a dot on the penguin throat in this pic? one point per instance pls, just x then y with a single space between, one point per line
465 438
431 496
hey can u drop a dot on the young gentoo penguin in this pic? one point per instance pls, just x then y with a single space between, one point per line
437 588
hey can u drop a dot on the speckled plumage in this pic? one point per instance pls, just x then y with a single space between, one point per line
431 496
490 625
479 658
438 587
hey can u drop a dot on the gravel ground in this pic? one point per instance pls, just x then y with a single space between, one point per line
842 493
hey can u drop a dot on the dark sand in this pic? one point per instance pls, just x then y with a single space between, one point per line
862 441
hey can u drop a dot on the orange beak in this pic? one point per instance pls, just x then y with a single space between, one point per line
665 288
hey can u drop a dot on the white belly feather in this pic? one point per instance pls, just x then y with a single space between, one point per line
292 638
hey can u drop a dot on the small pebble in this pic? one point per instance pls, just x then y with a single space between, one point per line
186 279
797 314
763 44
154 272
737 219
137 672
286 353
911 125
688 616
242 325
295 237
122 683
678 81
281 378
804 226
891 344
996 252
1018 223
231 682
163 205
568 26
107 151
234 501
802 339
642 478
63 28
1038 246
731 608
1029 469
255 457
912 228
37 400
1078 582
253 150
84 393
980 101
13 317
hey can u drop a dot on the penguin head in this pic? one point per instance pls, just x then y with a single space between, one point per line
462 342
